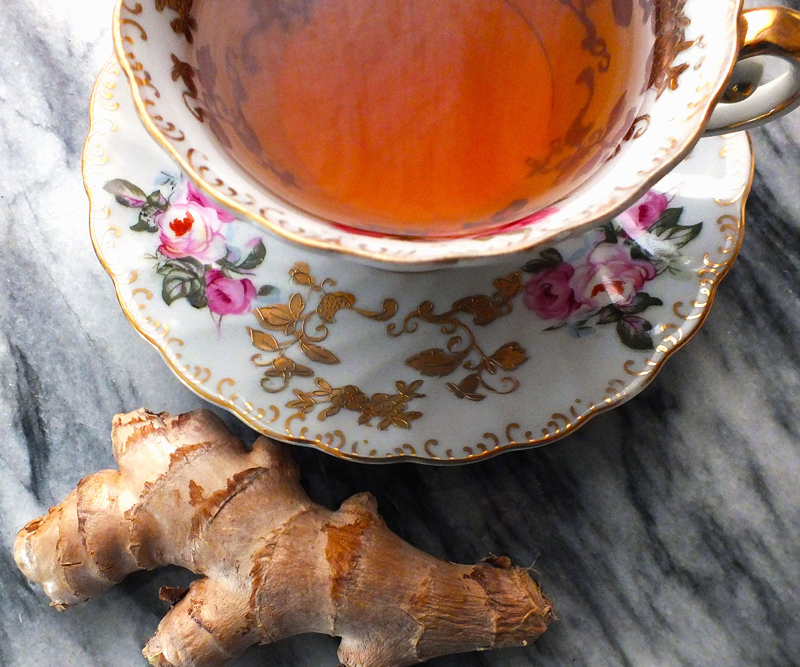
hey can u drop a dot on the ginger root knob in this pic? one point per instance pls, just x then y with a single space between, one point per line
273 563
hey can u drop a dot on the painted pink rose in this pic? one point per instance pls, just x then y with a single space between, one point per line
549 294
609 276
643 214
228 296
192 226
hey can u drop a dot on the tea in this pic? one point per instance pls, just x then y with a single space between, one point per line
420 117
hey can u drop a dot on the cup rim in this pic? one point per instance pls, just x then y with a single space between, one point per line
406 259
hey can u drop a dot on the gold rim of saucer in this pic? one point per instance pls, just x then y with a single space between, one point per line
391 261
93 156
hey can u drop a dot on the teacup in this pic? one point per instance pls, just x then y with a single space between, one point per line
694 44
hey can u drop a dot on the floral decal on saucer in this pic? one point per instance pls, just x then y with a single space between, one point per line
604 283
399 346
195 257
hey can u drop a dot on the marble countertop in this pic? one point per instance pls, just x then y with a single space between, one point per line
666 531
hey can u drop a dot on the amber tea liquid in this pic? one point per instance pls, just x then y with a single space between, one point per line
420 117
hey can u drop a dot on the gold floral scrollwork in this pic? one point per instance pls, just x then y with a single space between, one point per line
671 24
638 127
184 23
390 409
462 349
429 446
592 41
303 328
185 72
134 11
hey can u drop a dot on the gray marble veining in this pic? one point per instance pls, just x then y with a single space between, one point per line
667 531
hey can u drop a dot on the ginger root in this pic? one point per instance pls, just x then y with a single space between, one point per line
275 564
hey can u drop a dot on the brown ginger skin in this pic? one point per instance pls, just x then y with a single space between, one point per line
274 563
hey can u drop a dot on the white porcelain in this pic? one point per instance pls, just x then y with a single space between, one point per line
452 365
695 53
773 32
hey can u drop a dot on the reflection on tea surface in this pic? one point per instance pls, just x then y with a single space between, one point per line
421 117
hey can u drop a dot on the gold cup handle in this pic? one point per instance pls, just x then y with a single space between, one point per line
770 31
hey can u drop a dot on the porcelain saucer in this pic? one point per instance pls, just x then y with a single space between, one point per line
446 366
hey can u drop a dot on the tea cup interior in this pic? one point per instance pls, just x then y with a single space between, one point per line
428 118
194 98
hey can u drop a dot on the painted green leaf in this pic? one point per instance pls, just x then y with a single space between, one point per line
668 220
179 284
609 314
667 228
547 259
634 332
145 222
157 199
187 264
637 252
126 193
641 302
197 296
683 235
254 259
183 279
610 231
